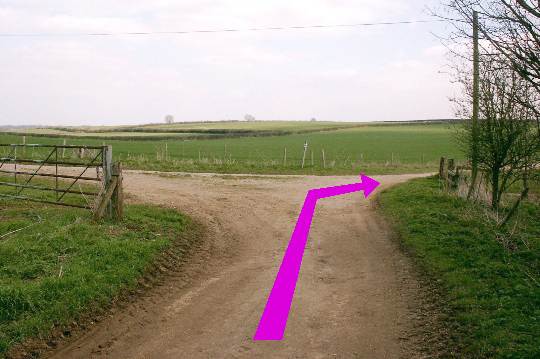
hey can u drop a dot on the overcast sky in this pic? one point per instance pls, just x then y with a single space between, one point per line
341 74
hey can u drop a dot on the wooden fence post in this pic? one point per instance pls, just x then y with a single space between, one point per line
304 156
451 164
15 164
323 159
450 175
455 178
442 165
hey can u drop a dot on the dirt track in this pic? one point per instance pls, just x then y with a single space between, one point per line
355 297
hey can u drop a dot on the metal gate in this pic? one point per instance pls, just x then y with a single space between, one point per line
47 170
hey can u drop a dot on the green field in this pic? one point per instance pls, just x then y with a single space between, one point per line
149 135
375 149
255 126
218 127
189 130
489 277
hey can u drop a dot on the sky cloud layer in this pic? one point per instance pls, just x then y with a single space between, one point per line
342 74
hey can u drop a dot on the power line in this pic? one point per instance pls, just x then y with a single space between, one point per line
213 31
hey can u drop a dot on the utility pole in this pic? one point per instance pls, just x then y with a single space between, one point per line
476 103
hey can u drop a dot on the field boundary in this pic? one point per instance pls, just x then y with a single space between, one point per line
384 149
209 134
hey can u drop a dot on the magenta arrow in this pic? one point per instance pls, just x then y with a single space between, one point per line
275 315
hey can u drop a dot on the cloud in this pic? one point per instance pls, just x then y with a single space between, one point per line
373 73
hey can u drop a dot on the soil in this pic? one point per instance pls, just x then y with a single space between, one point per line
357 294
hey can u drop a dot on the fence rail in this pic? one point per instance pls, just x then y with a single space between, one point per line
30 145
24 170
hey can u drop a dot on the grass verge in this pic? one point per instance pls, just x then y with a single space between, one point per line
63 266
491 293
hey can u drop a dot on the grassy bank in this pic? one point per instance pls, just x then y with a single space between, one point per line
62 266
374 149
493 294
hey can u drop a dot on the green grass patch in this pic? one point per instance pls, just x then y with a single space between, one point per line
374 149
493 294
63 265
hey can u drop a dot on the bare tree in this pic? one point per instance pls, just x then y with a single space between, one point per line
507 141
509 28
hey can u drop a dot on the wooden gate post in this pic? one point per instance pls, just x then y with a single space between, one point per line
113 197
107 175
105 200
105 207
117 199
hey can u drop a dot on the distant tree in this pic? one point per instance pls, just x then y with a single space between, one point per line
169 119
249 118
313 119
